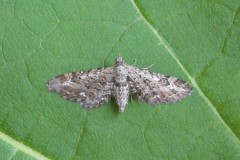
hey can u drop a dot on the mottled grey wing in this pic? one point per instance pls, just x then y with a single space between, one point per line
89 88
154 88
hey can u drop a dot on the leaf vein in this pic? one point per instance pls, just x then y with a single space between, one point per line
22 147
221 50
173 55
80 137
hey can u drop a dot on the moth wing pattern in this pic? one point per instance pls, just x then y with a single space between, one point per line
154 88
90 88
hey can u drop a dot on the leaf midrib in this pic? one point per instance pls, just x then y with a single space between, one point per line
192 79
26 149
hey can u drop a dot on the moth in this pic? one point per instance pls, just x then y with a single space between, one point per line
95 87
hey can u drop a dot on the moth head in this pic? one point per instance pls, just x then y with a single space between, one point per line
119 59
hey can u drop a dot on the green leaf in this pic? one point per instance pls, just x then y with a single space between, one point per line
197 41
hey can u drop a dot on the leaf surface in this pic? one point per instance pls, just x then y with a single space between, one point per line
197 41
